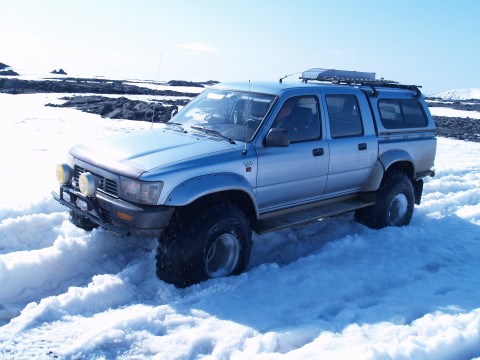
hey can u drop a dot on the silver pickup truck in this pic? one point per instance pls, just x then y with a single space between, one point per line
246 157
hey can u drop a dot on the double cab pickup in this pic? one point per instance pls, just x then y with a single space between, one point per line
243 157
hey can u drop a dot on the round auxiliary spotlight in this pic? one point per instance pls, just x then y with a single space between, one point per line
88 184
64 174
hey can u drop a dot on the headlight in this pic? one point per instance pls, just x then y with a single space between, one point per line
87 184
141 192
64 174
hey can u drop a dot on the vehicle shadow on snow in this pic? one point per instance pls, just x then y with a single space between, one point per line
337 272
288 245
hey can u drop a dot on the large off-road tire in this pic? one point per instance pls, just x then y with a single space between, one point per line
205 240
394 203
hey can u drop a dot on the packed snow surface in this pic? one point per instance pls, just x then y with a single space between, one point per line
449 112
331 290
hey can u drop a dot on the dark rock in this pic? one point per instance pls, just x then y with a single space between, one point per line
184 83
458 128
210 82
82 86
121 108
468 105
59 72
8 73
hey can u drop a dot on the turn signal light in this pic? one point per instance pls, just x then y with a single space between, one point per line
124 216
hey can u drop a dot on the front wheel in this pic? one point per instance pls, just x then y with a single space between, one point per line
394 203
203 241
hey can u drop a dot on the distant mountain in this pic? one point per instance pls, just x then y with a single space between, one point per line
458 94
3 66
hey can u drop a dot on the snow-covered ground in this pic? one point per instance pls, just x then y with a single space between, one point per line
332 290
449 112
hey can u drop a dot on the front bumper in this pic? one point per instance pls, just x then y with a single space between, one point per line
103 210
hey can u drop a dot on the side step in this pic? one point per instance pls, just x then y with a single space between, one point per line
314 212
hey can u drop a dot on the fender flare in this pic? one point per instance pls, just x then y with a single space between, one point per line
199 186
381 166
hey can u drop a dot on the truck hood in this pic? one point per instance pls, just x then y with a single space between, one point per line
135 153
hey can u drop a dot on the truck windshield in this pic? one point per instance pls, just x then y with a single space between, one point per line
234 114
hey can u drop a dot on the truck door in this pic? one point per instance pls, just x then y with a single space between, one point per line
352 142
296 173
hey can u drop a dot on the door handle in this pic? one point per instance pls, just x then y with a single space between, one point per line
362 146
318 152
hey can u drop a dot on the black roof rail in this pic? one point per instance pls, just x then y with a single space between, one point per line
392 84
347 77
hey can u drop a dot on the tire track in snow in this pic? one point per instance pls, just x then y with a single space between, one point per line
72 259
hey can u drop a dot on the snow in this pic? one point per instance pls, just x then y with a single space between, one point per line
449 112
331 290
458 94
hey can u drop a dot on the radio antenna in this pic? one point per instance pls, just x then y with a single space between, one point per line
156 90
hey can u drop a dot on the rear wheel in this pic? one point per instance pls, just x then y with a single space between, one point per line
394 203
205 240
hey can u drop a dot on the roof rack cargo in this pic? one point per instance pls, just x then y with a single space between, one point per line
349 77
333 74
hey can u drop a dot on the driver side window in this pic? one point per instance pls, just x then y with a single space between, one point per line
300 116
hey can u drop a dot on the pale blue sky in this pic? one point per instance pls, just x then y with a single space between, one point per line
430 43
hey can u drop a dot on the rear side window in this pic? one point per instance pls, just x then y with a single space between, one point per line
401 113
344 116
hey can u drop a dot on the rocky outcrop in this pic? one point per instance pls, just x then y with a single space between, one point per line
191 83
82 86
6 71
9 72
184 83
123 108
58 72
468 105
458 128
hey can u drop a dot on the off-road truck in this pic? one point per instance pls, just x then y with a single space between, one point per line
243 157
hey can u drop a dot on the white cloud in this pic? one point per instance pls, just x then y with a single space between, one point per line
197 48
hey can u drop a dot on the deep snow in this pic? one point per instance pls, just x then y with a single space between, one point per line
331 290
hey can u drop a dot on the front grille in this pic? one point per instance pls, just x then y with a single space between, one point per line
107 216
105 185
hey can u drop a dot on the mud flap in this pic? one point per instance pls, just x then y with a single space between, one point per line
418 190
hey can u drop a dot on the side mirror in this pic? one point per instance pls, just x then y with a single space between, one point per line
173 113
277 137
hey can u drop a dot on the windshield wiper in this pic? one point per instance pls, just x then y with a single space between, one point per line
213 132
177 124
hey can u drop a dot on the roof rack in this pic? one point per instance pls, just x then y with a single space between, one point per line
349 77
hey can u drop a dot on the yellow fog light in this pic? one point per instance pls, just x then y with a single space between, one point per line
64 174
88 184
